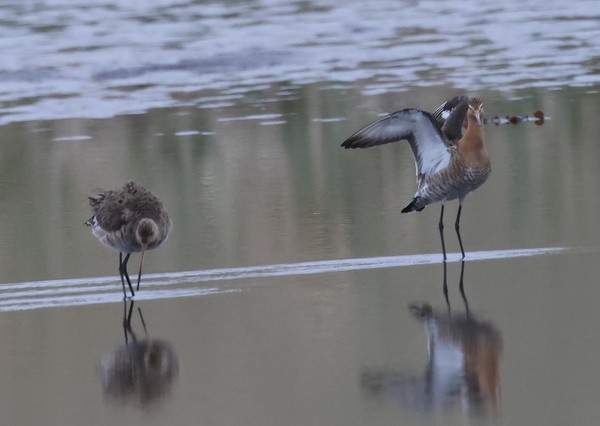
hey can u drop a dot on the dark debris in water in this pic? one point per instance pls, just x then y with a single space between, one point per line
538 119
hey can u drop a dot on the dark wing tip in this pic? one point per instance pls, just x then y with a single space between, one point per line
447 107
348 144
357 141
450 116
364 137
393 127
365 141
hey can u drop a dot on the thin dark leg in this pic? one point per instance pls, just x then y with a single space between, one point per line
143 323
127 321
441 228
125 318
121 275
123 272
457 227
445 288
461 286
137 288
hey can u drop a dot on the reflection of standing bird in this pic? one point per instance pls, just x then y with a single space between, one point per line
130 220
463 353
140 371
448 166
463 366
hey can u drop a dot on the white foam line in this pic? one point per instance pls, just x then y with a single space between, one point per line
99 290
55 291
284 269
58 283
72 138
251 117
95 299
342 265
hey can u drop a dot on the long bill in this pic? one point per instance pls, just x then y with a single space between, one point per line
141 264
478 118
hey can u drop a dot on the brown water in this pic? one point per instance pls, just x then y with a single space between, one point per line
291 290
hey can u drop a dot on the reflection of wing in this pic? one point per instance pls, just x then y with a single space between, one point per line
475 344
463 367
450 117
428 144
409 389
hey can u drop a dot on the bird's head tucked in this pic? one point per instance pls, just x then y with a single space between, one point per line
147 232
476 110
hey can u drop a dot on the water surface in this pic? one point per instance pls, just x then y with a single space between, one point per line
292 290
102 58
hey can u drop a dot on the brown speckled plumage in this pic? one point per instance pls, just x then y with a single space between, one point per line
129 220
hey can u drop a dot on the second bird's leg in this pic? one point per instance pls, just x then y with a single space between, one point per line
127 321
123 273
461 286
441 228
445 287
457 227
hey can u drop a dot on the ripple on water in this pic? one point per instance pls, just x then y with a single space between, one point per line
97 290
148 52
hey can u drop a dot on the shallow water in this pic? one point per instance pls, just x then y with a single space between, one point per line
291 290
102 58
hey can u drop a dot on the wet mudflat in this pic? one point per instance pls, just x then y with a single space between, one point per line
291 290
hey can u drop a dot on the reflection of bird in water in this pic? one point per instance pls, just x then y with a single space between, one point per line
461 285
463 366
129 220
141 372
448 166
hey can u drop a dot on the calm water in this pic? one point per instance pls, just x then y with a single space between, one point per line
291 290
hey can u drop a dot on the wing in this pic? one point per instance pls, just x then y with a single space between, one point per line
428 143
450 117
110 210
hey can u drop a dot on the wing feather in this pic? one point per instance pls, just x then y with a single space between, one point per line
450 117
419 128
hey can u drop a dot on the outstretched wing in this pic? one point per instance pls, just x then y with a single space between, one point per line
450 117
428 143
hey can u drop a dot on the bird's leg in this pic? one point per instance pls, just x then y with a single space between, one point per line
445 288
140 272
121 275
441 228
127 321
125 318
123 272
461 286
457 227
143 324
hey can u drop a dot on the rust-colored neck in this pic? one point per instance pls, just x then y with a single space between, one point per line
474 133
471 147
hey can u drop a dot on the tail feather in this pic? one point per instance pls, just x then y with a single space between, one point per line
91 221
413 206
